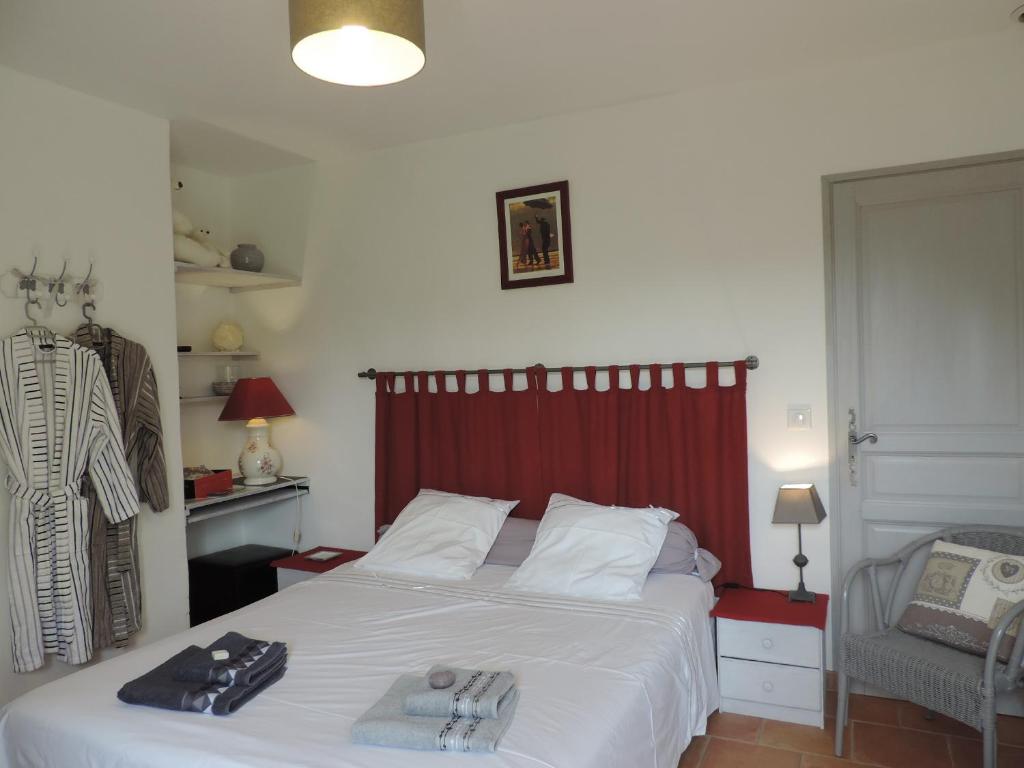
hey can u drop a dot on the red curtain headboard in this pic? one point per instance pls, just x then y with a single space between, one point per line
678 447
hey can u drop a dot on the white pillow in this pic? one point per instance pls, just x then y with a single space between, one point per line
439 534
587 550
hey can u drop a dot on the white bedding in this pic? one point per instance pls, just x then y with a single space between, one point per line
603 685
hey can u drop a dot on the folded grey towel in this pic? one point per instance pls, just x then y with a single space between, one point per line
386 725
158 688
473 694
249 661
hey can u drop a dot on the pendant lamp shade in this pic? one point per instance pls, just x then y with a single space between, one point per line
358 42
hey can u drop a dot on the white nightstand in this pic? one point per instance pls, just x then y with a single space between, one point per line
771 655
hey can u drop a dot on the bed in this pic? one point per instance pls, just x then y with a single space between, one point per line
603 685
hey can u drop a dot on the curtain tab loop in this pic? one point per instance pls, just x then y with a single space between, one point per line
655 371
740 366
591 373
567 384
506 374
440 382
460 381
613 378
678 376
483 380
712 371
634 376
537 377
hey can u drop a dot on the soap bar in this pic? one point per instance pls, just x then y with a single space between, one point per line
442 678
220 655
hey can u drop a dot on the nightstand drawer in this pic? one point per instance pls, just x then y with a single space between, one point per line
776 684
777 643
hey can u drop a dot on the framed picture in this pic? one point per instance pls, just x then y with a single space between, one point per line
534 235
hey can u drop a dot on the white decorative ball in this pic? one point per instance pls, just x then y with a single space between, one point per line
228 337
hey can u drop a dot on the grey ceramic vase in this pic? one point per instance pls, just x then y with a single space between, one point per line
248 257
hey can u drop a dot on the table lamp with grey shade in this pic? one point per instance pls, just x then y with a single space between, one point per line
799 504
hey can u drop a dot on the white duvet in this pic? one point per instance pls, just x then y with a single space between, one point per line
603 685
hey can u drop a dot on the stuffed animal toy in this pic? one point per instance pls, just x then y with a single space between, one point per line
203 236
192 246
182 223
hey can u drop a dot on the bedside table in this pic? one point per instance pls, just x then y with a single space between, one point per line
771 655
292 570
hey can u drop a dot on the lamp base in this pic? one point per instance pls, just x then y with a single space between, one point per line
801 595
259 480
259 463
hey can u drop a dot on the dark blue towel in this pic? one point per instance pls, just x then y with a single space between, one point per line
158 688
249 661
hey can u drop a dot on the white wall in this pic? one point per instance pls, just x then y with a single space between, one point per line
79 176
697 228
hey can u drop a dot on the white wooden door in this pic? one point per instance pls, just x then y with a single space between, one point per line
928 313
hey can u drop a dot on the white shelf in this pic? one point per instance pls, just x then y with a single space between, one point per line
235 280
201 400
244 497
242 353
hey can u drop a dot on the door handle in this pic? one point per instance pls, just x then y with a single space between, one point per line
854 440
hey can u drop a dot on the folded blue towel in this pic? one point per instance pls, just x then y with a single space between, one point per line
249 661
387 725
473 694
158 688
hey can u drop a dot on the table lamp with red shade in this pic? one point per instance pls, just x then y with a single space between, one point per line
254 401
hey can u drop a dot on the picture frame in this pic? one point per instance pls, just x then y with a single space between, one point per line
535 235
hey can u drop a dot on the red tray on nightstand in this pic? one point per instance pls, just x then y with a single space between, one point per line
771 607
300 562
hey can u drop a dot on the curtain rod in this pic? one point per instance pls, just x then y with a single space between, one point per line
752 364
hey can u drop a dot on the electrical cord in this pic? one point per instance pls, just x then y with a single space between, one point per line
297 528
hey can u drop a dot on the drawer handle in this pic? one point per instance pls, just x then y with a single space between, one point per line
768 687
767 644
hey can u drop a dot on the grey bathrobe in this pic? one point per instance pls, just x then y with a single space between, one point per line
117 597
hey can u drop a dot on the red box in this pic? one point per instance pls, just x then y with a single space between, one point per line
219 482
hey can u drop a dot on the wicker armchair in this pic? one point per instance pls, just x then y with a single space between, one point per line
942 679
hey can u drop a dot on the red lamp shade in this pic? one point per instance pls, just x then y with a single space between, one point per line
255 399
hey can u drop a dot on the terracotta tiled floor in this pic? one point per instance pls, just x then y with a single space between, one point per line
882 732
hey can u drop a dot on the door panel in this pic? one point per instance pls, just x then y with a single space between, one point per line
928 350
939 276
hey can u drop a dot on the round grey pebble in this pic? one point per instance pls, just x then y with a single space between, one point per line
442 678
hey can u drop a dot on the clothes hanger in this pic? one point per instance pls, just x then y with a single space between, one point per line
96 332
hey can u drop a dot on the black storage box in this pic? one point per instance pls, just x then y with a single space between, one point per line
225 581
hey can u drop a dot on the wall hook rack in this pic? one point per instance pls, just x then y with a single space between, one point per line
60 286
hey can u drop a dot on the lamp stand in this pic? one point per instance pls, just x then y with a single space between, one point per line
259 463
801 593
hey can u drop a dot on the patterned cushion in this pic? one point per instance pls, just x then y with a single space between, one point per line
962 596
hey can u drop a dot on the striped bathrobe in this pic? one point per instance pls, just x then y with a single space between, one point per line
57 423
116 587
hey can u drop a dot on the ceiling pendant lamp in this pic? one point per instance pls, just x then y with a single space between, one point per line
358 42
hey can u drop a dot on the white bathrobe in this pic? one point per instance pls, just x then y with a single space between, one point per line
57 422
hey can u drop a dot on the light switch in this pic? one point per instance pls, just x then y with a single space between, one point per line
798 417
